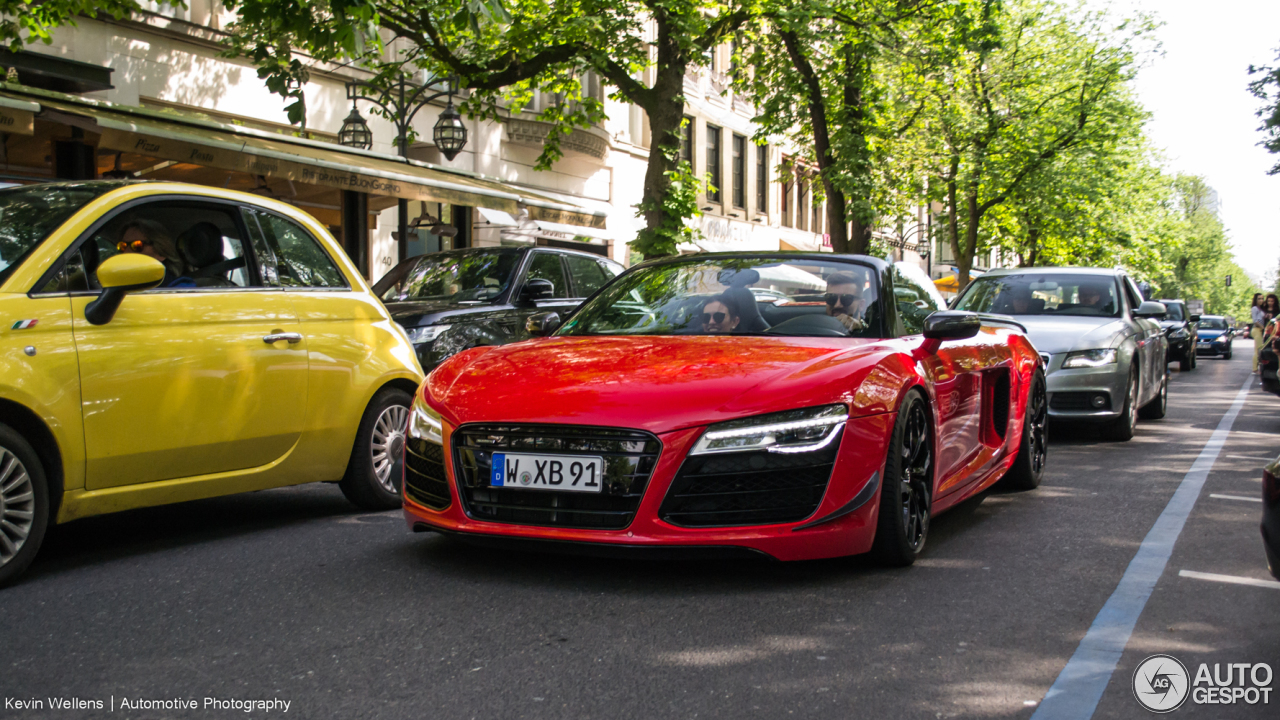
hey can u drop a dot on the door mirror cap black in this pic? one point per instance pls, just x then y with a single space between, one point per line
1150 309
542 324
951 325
1195 318
538 289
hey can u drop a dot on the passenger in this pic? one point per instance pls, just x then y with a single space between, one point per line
150 238
844 300
720 316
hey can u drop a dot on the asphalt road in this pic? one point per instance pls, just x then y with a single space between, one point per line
290 594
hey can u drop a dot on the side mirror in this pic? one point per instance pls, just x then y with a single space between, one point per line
1195 318
537 289
951 325
1149 309
120 275
542 324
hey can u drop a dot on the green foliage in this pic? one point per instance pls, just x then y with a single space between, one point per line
26 21
678 204
1267 89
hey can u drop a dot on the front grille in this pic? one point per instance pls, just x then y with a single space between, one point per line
1078 401
748 488
629 457
424 480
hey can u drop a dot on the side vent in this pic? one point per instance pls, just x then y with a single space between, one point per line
996 403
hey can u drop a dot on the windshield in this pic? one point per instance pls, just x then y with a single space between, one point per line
31 213
710 295
466 278
1173 311
1213 323
1039 293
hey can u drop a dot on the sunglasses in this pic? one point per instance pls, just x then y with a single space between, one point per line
841 300
718 317
135 246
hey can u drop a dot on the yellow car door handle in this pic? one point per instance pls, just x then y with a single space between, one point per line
277 337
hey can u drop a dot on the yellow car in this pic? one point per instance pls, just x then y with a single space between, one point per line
162 342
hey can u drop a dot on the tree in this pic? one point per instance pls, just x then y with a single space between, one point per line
1046 86
23 21
503 50
1267 89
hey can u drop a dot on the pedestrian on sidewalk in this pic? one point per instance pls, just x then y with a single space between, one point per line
1255 327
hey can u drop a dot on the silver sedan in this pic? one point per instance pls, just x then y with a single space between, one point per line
1104 355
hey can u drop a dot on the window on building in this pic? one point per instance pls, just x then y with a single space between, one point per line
686 140
762 179
739 171
802 218
713 163
735 47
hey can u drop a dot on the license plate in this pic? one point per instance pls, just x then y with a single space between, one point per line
1203 344
562 473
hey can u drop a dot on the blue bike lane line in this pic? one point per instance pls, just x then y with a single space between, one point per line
1074 695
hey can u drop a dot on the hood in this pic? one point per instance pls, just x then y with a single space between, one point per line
1167 324
657 384
1063 333
1209 332
429 312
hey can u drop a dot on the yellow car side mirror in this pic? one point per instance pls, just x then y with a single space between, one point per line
120 275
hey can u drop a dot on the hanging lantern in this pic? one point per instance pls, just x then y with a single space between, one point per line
449 134
355 131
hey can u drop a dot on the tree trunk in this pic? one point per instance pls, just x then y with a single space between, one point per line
665 108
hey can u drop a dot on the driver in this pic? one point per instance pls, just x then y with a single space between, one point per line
1094 296
844 300
719 315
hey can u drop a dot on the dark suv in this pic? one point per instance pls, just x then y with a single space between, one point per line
1182 329
458 299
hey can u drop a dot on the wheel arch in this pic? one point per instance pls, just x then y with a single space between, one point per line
28 424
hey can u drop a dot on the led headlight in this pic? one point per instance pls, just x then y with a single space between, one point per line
1178 334
420 335
425 423
793 431
1090 358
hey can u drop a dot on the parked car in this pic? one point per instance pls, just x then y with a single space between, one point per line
1214 336
675 412
1268 360
455 300
264 362
1271 516
1181 327
1102 344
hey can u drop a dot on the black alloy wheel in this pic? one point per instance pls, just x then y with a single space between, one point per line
1159 405
906 495
1033 452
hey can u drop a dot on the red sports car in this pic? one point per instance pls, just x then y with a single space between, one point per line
792 405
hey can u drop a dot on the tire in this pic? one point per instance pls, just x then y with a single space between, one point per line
374 473
1159 405
1187 361
1122 428
24 504
1033 450
1194 360
1227 355
906 494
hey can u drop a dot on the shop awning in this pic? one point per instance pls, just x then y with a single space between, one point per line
17 116
187 139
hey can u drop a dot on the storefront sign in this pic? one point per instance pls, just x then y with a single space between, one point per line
13 120
565 217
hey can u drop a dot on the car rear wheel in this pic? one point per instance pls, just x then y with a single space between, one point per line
1159 405
906 495
24 504
374 472
1123 427
1033 451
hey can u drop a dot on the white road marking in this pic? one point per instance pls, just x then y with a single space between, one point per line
1233 579
1235 497
1250 457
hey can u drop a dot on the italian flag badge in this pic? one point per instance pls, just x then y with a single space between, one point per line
24 324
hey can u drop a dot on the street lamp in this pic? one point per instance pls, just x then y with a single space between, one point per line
400 104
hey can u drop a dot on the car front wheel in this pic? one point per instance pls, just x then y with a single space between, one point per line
1033 452
374 472
1123 427
906 495
24 504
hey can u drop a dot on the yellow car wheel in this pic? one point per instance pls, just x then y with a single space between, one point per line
376 468
24 504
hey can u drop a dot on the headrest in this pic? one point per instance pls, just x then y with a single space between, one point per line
201 244
739 278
